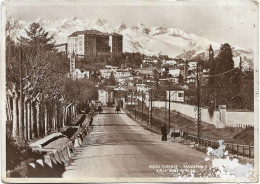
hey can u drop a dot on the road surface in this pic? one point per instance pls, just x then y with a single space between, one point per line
117 147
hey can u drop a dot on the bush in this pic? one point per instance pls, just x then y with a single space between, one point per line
18 152
211 110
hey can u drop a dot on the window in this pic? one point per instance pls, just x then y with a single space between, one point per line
180 94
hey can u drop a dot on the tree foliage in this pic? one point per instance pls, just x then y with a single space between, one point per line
37 37
234 87
112 80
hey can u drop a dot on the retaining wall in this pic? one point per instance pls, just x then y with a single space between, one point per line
233 119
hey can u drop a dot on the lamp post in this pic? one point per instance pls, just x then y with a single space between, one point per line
169 111
198 103
151 107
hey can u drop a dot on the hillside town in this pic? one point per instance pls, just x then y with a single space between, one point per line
152 72
88 107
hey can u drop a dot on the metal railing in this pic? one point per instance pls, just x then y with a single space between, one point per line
235 149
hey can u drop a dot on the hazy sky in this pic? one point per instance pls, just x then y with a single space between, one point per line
235 23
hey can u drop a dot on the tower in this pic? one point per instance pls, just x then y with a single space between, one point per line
211 57
211 53
240 63
72 64
185 70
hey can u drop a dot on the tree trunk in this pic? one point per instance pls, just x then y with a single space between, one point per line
25 121
34 121
15 129
29 120
50 121
53 116
45 118
8 108
21 120
38 119
64 118
58 116
42 112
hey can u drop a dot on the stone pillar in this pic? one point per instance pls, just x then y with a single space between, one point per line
222 116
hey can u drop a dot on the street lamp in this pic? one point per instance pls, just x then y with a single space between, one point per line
169 111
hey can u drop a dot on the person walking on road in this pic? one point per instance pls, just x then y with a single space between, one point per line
100 109
164 132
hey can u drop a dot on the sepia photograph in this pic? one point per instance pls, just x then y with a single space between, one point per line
129 91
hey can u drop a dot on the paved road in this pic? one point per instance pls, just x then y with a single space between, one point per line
120 147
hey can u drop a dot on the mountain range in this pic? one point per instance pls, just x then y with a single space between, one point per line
161 40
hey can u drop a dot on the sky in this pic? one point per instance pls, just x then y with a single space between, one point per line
233 22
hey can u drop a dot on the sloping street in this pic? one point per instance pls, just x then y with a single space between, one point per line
117 146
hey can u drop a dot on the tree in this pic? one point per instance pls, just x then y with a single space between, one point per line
224 60
37 38
112 80
180 79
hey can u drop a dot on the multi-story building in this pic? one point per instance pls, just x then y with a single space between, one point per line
93 42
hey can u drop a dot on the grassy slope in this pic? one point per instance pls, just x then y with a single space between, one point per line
229 134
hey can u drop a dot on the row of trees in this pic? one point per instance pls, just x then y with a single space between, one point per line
40 95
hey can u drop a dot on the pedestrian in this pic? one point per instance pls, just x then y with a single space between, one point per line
164 132
91 120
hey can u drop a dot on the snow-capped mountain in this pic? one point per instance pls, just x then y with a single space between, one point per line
149 40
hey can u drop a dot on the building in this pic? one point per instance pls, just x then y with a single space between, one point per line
191 78
118 73
105 95
171 62
72 63
148 62
142 88
116 43
106 73
76 73
192 65
211 54
175 72
93 42
175 96
80 74
174 80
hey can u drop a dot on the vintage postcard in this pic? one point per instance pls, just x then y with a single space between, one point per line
130 91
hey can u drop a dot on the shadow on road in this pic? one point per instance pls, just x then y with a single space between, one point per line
116 125
111 113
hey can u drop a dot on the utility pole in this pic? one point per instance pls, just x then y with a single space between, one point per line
138 110
198 104
131 102
138 113
135 106
169 110
151 107
142 105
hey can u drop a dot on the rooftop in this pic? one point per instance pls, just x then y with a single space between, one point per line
92 32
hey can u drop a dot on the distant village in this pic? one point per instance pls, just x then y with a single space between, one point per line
153 70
